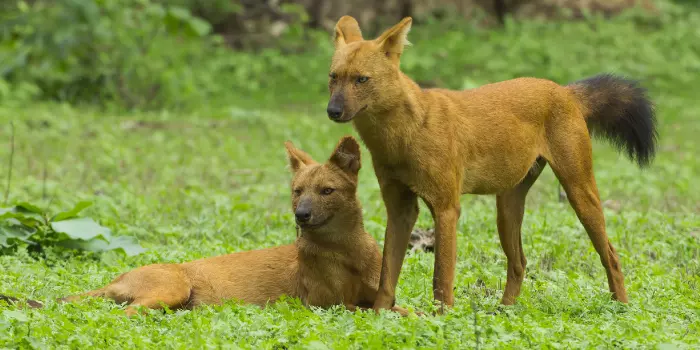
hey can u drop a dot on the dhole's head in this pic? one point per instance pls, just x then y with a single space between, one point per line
324 195
364 76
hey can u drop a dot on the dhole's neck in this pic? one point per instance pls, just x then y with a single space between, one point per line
385 130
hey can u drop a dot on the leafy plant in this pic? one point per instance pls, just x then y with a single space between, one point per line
26 223
135 53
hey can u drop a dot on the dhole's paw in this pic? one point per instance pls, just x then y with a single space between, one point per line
407 313
401 311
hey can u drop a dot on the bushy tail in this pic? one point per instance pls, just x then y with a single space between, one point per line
12 300
619 110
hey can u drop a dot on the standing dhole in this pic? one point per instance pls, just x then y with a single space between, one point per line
334 261
437 144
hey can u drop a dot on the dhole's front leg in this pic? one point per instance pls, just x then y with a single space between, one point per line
402 212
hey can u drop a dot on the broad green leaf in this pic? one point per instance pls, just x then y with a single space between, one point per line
175 18
93 245
179 12
10 214
199 26
4 241
8 233
125 244
29 207
73 212
81 228
24 212
178 18
21 219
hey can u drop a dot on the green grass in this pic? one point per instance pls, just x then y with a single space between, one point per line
191 186
197 184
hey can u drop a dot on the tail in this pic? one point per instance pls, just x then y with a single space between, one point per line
619 110
12 300
37 305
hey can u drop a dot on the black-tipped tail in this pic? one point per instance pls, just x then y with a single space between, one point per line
619 110
12 300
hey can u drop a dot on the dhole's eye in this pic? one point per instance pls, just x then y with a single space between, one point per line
362 79
327 191
297 192
333 76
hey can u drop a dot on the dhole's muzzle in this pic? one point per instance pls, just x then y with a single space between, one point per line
337 111
309 213
336 107
303 211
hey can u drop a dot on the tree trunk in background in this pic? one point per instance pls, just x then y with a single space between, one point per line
406 8
499 6
315 10
260 21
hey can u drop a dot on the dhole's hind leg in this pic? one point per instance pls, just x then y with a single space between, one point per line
155 286
445 217
511 208
157 299
150 286
571 161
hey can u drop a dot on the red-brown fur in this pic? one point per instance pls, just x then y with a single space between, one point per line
334 261
438 144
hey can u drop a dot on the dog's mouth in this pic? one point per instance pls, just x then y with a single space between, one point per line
344 119
310 225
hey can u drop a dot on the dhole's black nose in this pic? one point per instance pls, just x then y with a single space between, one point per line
302 215
334 112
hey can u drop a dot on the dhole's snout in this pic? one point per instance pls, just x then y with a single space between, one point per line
303 212
336 106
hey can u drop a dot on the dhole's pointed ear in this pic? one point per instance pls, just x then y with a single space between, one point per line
347 30
297 158
347 155
394 39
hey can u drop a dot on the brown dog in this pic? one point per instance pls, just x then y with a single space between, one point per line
437 144
334 261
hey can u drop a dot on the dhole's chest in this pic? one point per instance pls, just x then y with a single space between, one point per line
329 285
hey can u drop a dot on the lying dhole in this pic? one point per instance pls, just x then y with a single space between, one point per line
334 261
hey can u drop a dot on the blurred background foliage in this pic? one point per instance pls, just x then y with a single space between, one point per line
183 54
